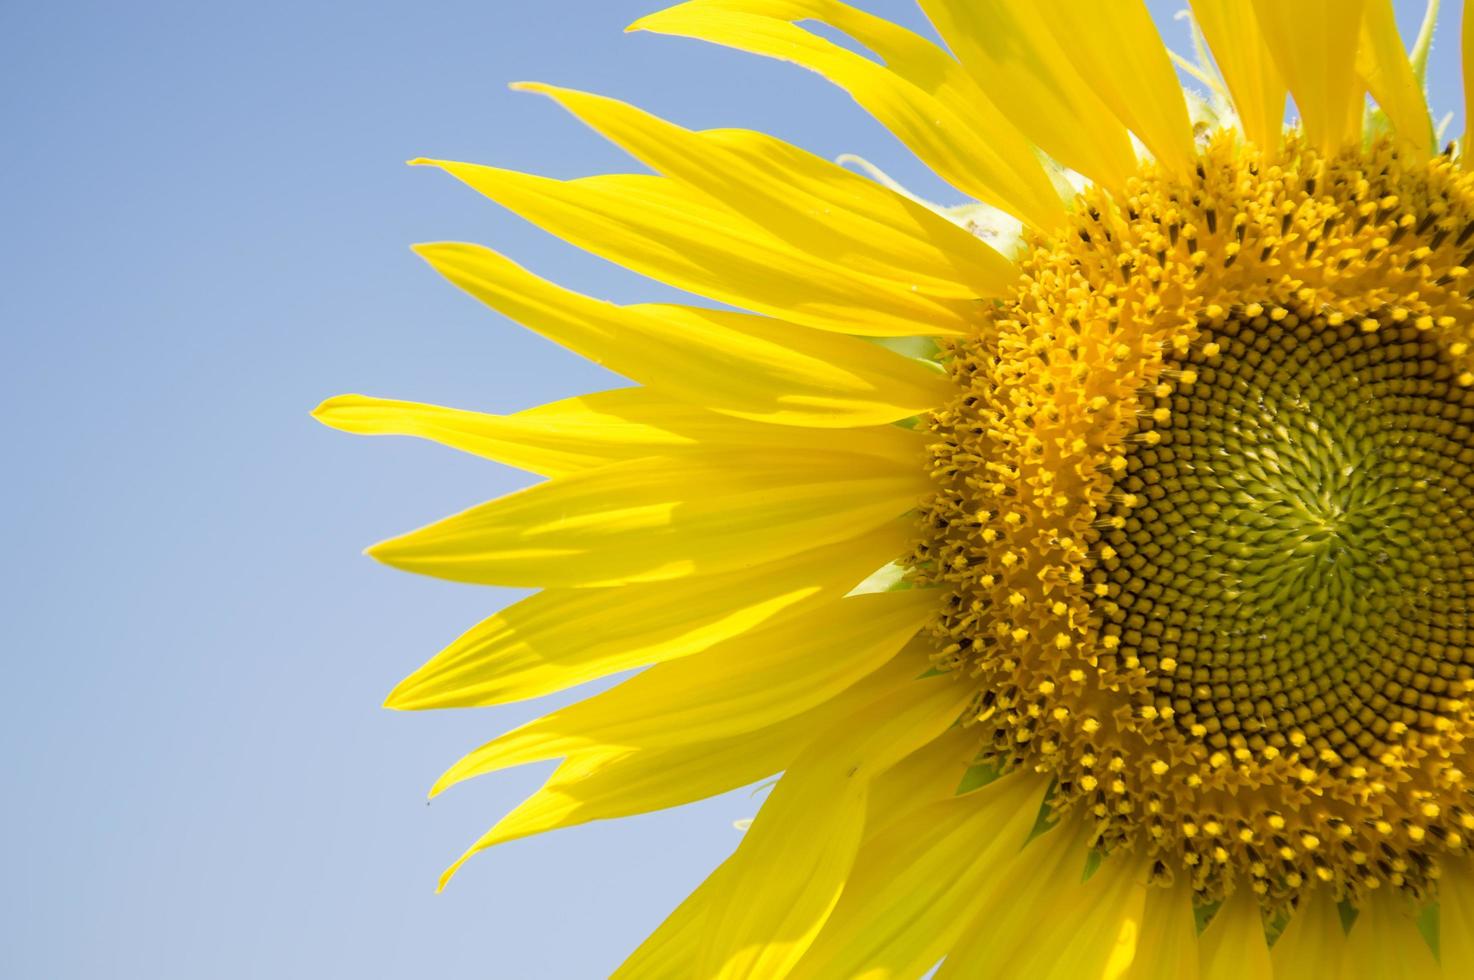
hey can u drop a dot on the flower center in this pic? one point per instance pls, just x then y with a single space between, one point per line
1291 538
1203 519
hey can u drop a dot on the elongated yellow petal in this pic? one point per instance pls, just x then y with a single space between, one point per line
668 952
1012 55
799 850
1233 946
917 885
678 235
1168 946
743 365
602 784
1117 48
919 94
538 448
1466 56
1314 43
1232 32
810 203
1456 919
1382 64
1042 921
931 773
560 638
1313 943
651 520
586 432
1385 944
1356 107
1107 938
757 679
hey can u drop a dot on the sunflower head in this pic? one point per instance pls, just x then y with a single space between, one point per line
1092 560
1204 515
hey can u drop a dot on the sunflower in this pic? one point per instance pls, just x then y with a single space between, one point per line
1092 561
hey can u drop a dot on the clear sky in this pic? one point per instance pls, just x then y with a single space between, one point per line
204 230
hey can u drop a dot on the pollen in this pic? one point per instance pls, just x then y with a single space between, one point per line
1225 539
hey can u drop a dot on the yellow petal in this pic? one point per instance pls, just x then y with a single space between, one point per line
1108 940
585 432
1233 946
1314 43
931 773
757 679
560 638
537 447
1355 112
651 520
602 784
800 848
918 93
1258 91
1466 55
1013 56
1041 921
917 885
1383 65
1116 47
1168 946
674 233
814 205
668 952
1313 943
1385 944
739 364
1090 932
1456 919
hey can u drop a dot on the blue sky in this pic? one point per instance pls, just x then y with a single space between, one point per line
204 228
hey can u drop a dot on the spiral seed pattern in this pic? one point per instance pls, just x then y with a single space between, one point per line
1291 537
1202 521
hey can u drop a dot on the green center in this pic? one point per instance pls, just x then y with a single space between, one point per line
1292 561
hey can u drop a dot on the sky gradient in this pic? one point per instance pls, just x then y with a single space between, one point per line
204 230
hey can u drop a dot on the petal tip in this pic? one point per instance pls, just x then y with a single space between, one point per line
406 696
381 551
446 781
428 251
325 408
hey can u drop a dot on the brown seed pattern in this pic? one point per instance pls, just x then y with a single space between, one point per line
1203 519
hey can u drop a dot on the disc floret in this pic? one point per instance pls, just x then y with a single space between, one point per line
1203 514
